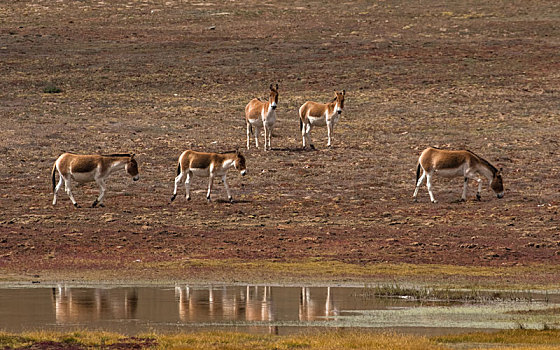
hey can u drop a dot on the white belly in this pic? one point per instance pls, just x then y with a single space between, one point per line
257 123
453 172
320 121
84 177
200 171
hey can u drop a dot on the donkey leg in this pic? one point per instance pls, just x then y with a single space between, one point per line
266 134
210 182
178 179
230 198
67 184
303 135
479 188
57 188
257 133
188 185
99 199
429 185
308 135
329 133
248 134
465 185
420 180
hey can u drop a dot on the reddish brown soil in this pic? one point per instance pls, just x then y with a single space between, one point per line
156 78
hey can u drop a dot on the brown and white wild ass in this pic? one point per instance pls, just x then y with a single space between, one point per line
87 168
318 114
457 163
260 114
207 165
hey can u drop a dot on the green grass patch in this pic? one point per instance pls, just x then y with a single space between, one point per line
51 89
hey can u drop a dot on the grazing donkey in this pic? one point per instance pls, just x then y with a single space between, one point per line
457 163
262 114
207 165
318 114
87 168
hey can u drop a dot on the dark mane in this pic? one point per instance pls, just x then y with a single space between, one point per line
227 152
117 155
484 161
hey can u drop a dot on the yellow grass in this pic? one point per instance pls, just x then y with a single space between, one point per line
510 339
232 341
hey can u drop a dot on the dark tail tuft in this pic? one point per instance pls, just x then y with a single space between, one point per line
251 129
300 125
417 172
179 169
53 176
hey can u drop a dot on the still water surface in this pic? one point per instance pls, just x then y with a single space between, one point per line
259 309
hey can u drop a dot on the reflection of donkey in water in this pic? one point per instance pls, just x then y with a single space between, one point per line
457 163
83 305
87 168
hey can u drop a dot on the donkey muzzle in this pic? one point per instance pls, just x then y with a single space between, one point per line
500 195
136 178
243 172
339 111
274 106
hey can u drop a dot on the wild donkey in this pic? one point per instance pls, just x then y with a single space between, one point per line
457 163
207 165
262 114
87 168
318 114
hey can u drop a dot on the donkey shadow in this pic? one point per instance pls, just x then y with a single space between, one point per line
235 201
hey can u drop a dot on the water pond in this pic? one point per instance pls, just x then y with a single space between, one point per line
270 309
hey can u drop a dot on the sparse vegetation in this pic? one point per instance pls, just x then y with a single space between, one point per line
51 89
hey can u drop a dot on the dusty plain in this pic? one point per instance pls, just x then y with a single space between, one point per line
158 77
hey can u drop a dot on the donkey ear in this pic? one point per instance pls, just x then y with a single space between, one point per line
276 86
501 170
271 87
132 155
343 92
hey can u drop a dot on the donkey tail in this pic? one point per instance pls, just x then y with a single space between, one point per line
178 168
418 172
53 173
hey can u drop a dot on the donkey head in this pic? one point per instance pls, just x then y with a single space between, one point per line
239 163
497 184
132 168
339 98
273 99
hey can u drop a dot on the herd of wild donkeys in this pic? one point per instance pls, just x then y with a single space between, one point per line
262 115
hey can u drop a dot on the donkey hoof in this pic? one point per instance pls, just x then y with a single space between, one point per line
434 201
311 147
94 204
188 198
478 197
102 205
208 199
173 197
230 199
76 205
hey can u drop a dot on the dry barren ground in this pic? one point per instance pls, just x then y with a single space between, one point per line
158 77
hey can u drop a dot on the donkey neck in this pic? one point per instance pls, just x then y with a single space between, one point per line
116 163
486 169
